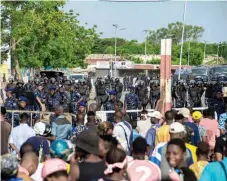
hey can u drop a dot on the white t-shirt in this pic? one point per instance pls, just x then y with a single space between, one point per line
143 126
120 130
20 134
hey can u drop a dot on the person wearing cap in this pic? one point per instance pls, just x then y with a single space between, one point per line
177 130
9 166
39 142
11 104
54 169
82 108
151 133
195 137
197 116
20 134
53 98
109 106
88 146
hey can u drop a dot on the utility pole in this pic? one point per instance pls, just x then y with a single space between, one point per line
204 53
182 39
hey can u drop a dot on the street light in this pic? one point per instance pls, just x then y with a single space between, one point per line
182 38
145 46
115 50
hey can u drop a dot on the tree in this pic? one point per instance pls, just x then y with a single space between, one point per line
43 35
109 50
174 30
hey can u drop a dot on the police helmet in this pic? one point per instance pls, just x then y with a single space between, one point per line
36 81
27 87
52 80
117 80
20 82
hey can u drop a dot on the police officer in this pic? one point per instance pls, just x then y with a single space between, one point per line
84 90
125 82
11 104
142 92
107 83
46 84
194 95
132 102
154 93
53 99
40 97
218 103
65 99
19 90
179 93
118 88
109 105
101 93
11 84
75 100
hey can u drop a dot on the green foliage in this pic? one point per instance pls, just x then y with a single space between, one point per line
43 35
154 61
174 30
109 50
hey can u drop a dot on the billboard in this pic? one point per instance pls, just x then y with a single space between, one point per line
124 65
103 64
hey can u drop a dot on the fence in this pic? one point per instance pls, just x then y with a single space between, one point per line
101 114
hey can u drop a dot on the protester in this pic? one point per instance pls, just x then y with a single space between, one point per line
79 127
28 166
151 133
211 126
175 155
221 144
54 169
135 133
39 142
186 113
202 154
162 133
25 148
222 121
93 107
105 128
9 167
140 164
61 127
82 108
91 121
116 165
144 124
5 132
87 148
20 134
177 130
122 131
197 116
216 171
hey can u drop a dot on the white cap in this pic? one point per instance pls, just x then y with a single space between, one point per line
39 128
176 128
155 114
185 112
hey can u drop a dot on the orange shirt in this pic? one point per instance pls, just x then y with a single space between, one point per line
162 134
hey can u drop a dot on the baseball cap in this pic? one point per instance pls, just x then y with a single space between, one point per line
22 98
197 115
53 165
112 92
155 114
176 128
185 112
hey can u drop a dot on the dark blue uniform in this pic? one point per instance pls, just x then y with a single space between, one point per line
132 102
75 97
109 106
42 96
11 104
53 101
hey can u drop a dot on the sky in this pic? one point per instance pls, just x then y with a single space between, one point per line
137 16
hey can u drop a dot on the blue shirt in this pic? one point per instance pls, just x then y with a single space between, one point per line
195 139
135 135
222 120
215 172
61 128
151 135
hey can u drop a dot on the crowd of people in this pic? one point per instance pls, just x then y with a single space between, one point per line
183 145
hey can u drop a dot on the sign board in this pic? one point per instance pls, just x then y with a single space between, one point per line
124 65
103 64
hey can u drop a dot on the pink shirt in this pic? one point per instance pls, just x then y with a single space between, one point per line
143 170
212 131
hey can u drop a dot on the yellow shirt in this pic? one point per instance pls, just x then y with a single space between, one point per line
192 150
162 134
198 168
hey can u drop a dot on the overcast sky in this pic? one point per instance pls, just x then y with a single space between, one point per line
138 16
